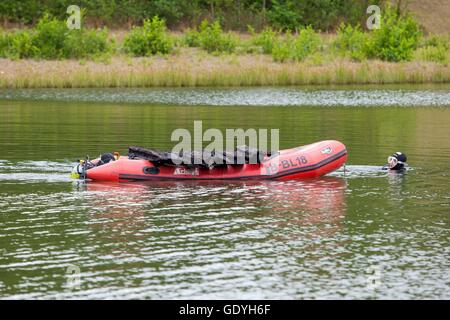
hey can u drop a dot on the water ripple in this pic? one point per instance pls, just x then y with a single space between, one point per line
266 96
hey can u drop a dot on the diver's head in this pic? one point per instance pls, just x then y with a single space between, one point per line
106 158
397 161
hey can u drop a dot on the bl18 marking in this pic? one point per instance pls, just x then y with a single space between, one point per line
296 162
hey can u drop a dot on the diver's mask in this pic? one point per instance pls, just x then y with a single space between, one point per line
397 161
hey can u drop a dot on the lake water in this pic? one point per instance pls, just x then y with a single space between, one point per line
357 233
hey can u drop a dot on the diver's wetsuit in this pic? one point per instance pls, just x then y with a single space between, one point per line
402 169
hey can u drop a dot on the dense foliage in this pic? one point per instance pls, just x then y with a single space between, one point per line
152 38
351 42
211 37
297 48
434 49
51 39
233 14
397 38
266 39
17 45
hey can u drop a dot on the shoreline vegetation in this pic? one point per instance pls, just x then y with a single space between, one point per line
49 55
235 15
190 68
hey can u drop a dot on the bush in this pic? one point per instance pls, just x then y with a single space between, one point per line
17 45
51 39
284 15
213 39
351 42
87 44
191 38
266 39
297 49
320 14
397 38
150 39
307 43
282 50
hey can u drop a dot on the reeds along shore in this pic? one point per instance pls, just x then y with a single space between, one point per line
189 69
148 56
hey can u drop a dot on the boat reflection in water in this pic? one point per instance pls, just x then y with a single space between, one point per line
131 211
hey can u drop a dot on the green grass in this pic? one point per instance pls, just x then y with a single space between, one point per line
179 71
150 56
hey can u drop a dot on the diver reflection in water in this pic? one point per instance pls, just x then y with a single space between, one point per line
396 167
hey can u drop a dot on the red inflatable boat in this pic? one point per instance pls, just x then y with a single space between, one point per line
308 161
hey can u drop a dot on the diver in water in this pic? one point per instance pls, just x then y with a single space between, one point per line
396 162
80 168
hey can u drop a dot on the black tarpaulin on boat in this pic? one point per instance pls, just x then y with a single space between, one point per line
208 159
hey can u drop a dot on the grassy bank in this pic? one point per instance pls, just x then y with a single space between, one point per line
193 67
50 55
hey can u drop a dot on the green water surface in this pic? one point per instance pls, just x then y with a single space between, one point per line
359 233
